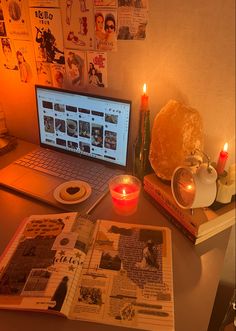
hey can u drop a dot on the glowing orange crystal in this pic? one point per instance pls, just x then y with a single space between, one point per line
177 131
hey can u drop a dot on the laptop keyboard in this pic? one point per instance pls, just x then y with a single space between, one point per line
68 168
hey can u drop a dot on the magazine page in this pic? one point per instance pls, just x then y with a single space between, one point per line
47 35
25 60
40 268
127 278
58 75
133 20
44 73
43 3
48 42
75 68
7 54
17 19
97 69
105 3
78 24
105 29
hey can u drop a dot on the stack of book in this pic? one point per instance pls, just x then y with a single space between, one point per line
197 224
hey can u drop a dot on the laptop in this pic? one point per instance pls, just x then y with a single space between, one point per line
83 137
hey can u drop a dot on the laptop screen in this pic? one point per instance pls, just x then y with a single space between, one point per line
84 124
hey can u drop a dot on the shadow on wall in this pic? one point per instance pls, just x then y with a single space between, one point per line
222 313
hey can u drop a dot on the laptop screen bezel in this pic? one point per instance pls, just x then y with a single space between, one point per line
80 155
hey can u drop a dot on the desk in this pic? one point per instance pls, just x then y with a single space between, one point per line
196 269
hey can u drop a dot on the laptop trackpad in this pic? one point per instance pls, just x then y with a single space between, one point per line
39 184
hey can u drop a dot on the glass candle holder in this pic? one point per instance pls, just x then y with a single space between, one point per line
125 190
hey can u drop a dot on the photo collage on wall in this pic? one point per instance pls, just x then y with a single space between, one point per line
64 43
7 52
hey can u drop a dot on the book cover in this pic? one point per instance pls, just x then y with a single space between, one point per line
100 271
199 222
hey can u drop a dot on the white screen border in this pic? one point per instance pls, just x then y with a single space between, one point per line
88 125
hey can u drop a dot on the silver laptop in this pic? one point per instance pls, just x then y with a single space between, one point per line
83 137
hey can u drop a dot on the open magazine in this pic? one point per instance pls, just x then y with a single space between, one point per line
101 271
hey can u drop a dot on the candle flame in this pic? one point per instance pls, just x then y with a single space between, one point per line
225 147
189 187
123 192
144 88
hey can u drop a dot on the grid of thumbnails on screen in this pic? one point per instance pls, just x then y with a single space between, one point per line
89 125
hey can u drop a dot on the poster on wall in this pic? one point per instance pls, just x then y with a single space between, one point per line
97 69
17 19
1 12
25 60
44 3
78 24
132 3
47 35
7 54
133 19
105 29
75 68
3 31
58 74
44 73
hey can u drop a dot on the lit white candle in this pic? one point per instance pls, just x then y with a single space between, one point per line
226 186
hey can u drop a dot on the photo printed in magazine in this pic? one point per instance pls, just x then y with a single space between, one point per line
127 278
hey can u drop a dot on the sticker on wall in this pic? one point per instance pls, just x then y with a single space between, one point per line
7 54
26 63
58 75
75 68
105 30
43 3
97 69
132 20
44 73
78 24
17 19
47 35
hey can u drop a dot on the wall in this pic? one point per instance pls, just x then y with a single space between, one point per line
188 55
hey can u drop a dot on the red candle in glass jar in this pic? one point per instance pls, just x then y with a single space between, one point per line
125 194
223 157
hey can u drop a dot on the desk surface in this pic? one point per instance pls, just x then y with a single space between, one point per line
196 269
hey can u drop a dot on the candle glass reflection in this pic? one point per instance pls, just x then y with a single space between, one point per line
125 190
